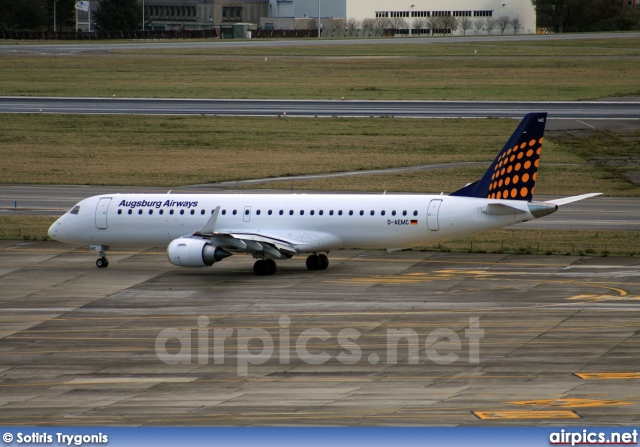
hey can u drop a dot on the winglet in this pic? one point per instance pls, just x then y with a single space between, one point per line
209 227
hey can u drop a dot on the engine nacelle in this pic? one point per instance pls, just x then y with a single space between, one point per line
187 252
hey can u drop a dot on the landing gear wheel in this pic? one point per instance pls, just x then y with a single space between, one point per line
324 262
102 262
260 267
265 267
271 266
313 262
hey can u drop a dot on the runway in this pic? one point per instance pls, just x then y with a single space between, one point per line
598 213
618 110
490 339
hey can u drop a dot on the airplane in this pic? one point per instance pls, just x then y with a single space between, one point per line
203 229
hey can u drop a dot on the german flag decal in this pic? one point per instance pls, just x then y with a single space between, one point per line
414 222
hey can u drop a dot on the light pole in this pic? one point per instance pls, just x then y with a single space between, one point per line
142 15
318 19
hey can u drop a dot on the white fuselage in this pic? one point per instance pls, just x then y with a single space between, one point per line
312 222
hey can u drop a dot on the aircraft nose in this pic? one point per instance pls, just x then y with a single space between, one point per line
53 229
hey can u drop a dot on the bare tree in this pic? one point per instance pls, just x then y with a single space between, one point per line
313 24
382 22
419 23
435 23
352 25
449 23
503 23
491 24
464 23
398 23
338 24
516 25
368 24
479 25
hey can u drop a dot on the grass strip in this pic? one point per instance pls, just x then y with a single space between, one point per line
539 70
172 151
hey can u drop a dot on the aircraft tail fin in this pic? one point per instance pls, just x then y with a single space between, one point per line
513 173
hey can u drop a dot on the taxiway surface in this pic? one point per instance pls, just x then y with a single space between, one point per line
557 340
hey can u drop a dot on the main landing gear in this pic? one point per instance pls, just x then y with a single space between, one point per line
265 267
317 262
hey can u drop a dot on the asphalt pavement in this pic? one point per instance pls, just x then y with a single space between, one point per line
393 339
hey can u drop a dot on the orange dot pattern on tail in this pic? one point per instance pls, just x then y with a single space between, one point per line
515 171
512 174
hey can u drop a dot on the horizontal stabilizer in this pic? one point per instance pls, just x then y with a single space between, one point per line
565 200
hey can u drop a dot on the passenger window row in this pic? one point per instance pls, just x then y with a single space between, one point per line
322 213
281 212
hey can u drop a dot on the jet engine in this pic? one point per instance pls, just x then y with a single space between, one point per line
187 252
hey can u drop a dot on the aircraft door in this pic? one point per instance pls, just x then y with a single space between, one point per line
432 215
247 214
101 213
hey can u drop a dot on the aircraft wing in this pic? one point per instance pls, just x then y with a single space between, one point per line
245 242
254 243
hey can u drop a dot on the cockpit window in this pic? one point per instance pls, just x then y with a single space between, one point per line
75 210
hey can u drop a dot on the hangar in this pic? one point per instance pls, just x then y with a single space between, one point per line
406 17
412 17
199 14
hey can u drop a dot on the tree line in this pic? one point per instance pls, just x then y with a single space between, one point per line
432 25
586 15
38 15
35 15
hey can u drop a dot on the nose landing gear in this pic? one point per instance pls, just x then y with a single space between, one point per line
102 261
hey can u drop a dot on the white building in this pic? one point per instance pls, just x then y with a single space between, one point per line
405 13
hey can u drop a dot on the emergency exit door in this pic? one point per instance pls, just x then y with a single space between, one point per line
432 215
101 213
